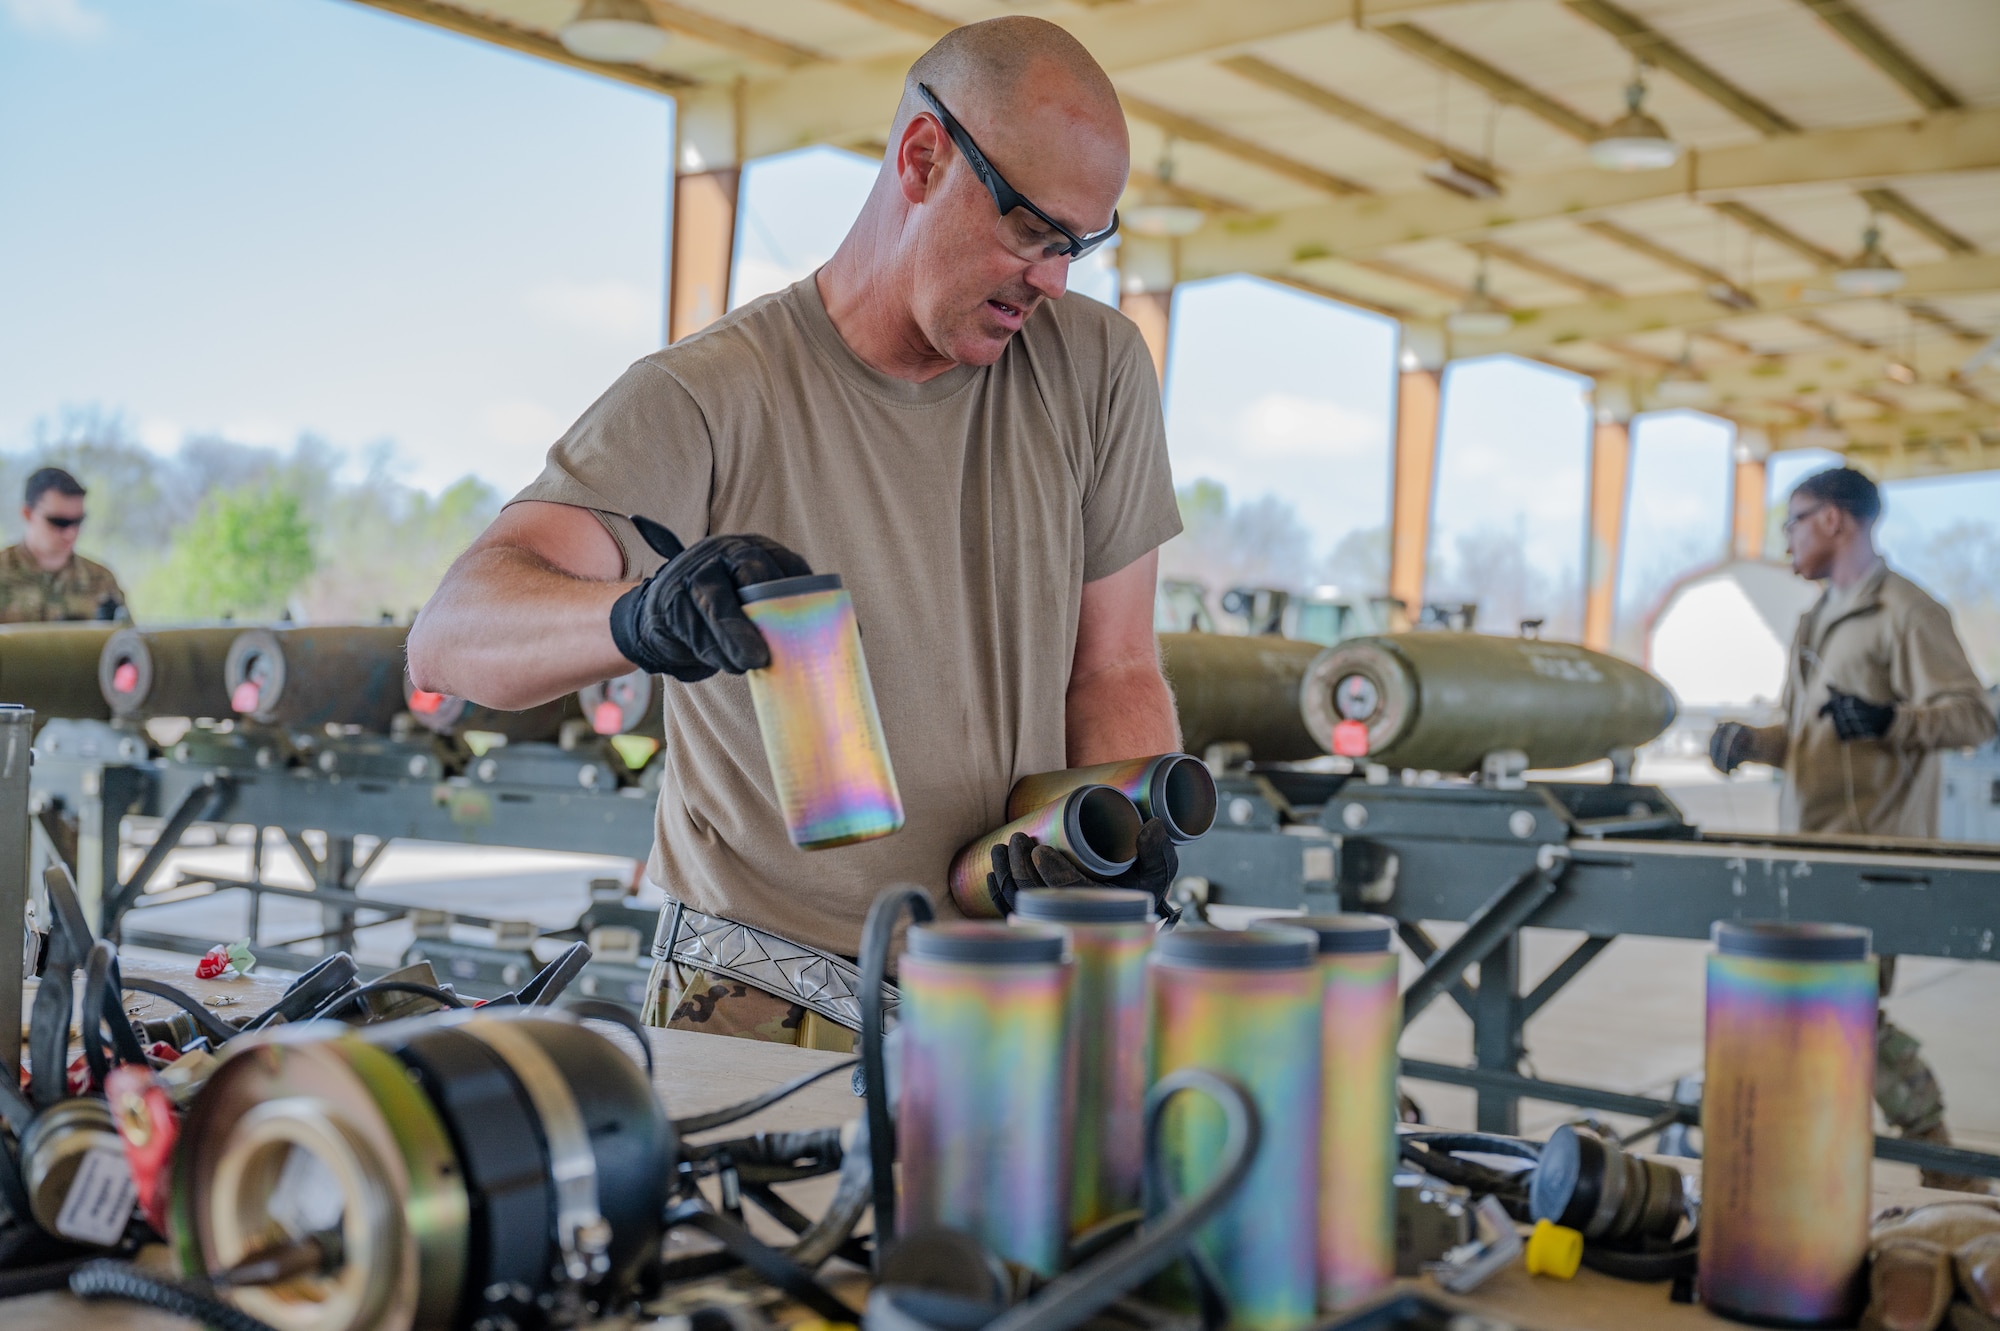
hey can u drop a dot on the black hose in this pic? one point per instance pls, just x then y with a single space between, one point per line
616 1014
102 1279
431 991
322 981
876 936
717 1118
829 1234
1074 1298
770 1265
217 1030
39 1279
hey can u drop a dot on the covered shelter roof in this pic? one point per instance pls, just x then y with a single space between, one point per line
1339 146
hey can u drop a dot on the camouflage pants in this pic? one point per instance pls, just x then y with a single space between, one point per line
1908 1092
683 999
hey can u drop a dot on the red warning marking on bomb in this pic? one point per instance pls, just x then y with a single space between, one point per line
1350 739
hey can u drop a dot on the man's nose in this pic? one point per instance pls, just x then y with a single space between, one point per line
1050 277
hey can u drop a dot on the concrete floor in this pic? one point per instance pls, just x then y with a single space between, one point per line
1632 1021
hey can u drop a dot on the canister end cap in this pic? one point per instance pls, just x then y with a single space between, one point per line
1084 905
1259 949
982 944
1775 940
1348 933
766 591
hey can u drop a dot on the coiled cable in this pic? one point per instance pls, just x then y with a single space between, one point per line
105 1279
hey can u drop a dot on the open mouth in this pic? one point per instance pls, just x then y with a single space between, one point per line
1011 315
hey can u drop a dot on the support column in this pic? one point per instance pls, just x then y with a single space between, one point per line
1751 513
1146 272
707 174
1610 464
1419 392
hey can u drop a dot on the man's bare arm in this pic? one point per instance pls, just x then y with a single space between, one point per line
524 615
1118 704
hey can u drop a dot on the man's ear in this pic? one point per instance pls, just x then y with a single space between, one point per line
917 154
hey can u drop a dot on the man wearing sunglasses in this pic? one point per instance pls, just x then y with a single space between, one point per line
981 459
1878 686
44 578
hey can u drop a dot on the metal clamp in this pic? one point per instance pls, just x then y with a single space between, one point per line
581 1229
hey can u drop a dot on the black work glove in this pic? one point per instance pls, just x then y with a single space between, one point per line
1856 718
685 620
1729 746
1022 864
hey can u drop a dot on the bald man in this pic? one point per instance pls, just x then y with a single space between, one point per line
980 459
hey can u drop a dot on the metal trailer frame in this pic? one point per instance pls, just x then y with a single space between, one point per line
1603 859
89 777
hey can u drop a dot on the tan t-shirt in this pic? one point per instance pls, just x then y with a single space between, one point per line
964 514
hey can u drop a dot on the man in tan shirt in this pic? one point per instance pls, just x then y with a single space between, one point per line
1877 687
981 460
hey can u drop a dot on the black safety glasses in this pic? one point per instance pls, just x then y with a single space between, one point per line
62 524
1024 229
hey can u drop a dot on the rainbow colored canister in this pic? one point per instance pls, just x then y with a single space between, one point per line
1095 826
816 710
988 1070
1361 1019
1787 1123
1246 1004
1110 932
1173 787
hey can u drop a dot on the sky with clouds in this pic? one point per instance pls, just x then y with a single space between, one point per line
266 217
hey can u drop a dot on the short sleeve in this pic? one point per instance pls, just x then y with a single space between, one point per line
644 447
1129 508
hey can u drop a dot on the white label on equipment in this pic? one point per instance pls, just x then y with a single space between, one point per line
100 1200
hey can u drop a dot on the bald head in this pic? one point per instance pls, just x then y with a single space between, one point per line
1011 63
933 273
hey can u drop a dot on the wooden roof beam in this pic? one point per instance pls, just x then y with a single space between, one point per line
1322 289
1267 75
1771 229
1595 320
1242 149
1716 285
1655 48
1951 141
1818 325
1498 84
902 16
746 42
527 41
1879 49
1529 263
1900 207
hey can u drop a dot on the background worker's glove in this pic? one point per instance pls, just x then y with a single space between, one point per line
1856 718
1022 864
1729 746
685 620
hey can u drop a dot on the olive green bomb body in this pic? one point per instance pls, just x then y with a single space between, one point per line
52 669
145 673
1435 701
306 678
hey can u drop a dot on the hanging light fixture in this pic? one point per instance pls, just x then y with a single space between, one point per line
1481 315
1682 385
1635 141
1870 273
619 32
1160 211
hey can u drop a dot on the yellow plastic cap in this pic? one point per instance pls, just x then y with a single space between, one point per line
1554 1250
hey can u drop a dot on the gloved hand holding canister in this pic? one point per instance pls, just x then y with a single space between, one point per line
686 621
749 606
1022 863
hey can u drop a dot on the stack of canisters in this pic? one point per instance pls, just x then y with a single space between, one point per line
1028 1048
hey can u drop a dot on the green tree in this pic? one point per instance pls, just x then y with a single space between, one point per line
245 551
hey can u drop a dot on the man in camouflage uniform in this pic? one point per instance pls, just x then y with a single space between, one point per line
44 578
1877 688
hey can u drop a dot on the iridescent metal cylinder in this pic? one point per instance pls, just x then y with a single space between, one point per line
816 711
1247 1004
1362 1017
1787 1123
1173 787
1095 826
1110 932
983 1116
